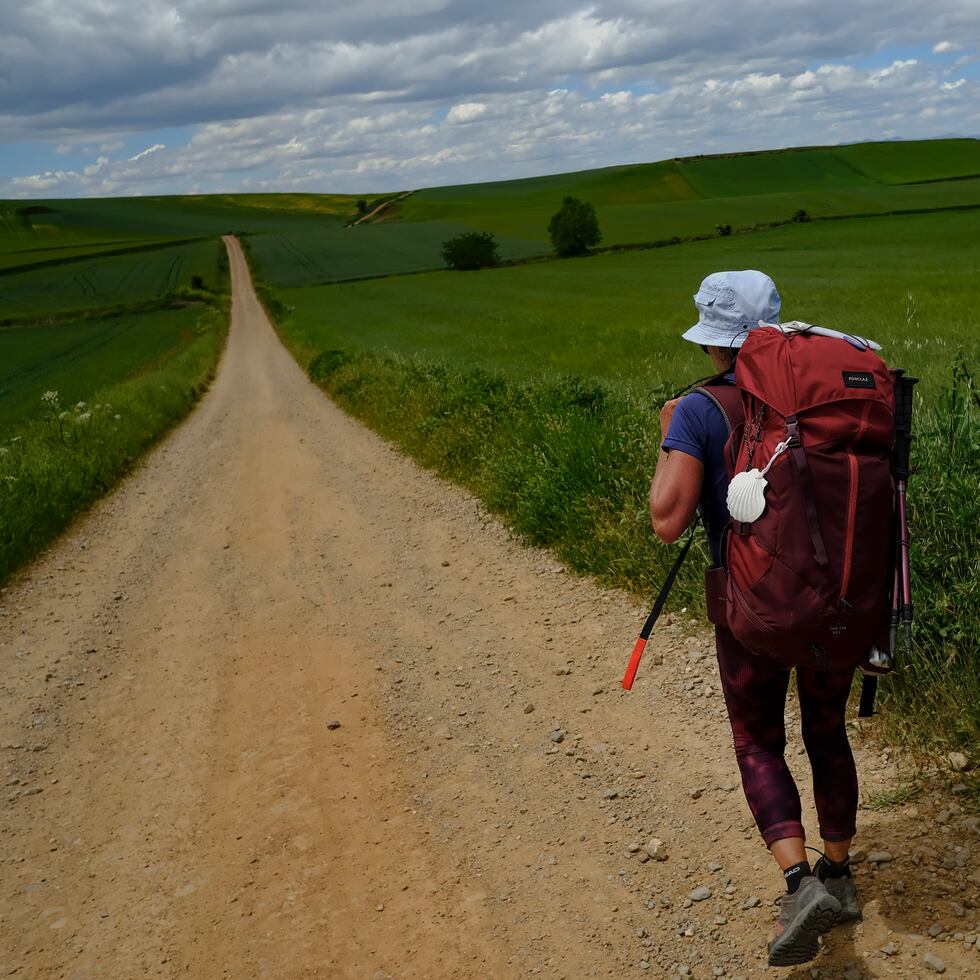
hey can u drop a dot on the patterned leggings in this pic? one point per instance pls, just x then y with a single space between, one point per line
755 693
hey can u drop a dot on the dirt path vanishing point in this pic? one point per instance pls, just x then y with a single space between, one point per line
176 804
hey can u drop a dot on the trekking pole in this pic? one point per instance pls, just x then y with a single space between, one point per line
641 640
901 469
878 661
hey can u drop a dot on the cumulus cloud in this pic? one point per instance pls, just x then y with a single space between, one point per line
388 93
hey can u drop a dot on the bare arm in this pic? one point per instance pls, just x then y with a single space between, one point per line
676 487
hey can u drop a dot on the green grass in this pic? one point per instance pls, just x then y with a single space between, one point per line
104 281
899 163
649 202
330 254
616 318
888 799
81 356
771 173
61 457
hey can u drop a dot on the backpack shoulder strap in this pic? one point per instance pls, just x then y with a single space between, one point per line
727 398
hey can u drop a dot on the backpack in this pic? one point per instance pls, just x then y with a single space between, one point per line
806 583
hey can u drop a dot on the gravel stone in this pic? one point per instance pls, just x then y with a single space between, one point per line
657 849
700 894
934 963
880 857
333 725
958 762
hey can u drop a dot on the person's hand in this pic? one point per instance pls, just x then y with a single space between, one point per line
667 413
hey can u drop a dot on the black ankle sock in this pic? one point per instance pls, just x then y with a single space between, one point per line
838 869
795 875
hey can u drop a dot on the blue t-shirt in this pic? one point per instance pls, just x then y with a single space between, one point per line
698 428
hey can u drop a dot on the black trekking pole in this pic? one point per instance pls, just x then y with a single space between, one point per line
900 469
641 640
879 661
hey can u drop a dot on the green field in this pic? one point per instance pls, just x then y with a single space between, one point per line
82 356
103 281
617 317
648 202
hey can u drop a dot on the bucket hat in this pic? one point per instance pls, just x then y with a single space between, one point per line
730 304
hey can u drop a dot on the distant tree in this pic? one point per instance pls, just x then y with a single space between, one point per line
574 228
800 216
362 206
723 230
197 282
472 250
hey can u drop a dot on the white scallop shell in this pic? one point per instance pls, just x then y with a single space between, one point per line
746 496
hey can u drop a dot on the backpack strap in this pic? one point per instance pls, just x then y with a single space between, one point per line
727 399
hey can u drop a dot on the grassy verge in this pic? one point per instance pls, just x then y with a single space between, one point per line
567 463
55 464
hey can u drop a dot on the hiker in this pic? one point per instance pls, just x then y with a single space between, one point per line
691 473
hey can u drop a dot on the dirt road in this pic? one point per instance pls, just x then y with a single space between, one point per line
177 804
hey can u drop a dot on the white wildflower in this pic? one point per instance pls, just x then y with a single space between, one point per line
117 417
4 450
84 417
50 398
63 416
80 407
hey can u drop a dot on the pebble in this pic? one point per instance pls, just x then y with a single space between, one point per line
528 708
934 963
644 965
889 949
852 973
558 736
333 725
610 794
657 849
857 857
880 857
701 893
752 902
958 762
936 929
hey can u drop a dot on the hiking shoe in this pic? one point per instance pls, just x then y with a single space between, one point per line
843 889
803 916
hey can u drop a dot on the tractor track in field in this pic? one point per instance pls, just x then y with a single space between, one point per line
177 802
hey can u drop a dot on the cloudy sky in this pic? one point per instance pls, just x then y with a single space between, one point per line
110 97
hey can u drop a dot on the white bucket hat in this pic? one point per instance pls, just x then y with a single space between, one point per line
731 304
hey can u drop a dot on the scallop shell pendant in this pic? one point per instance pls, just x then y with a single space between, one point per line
746 496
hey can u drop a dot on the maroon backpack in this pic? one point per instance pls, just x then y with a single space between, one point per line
806 583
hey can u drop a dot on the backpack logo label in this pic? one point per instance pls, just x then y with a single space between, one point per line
858 379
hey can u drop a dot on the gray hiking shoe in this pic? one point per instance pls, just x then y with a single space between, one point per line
843 889
803 916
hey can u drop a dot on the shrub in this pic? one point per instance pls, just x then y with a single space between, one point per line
723 230
472 250
800 216
574 228
362 206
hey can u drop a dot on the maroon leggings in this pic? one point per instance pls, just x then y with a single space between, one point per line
755 693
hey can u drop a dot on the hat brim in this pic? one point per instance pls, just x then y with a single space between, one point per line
702 334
